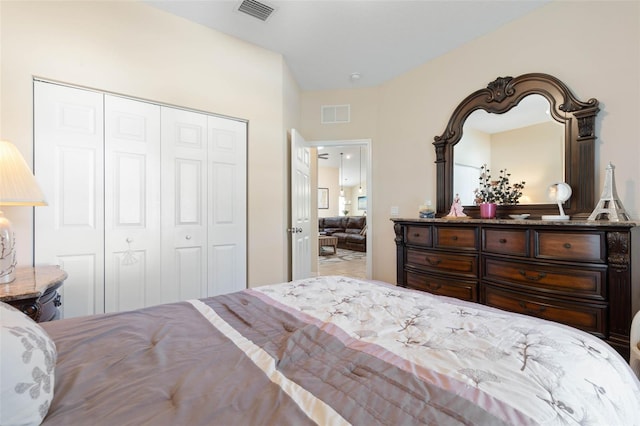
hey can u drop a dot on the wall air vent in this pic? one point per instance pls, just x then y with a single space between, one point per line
334 114
256 9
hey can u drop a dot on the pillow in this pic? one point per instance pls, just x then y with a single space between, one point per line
28 363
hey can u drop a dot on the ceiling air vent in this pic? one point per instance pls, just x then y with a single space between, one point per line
256 9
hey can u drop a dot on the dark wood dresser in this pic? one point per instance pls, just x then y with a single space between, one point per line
35 292
580 273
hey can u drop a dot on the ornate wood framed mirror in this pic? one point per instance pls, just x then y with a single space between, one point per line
501 96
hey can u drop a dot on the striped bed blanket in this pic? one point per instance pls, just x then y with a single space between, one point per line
332 351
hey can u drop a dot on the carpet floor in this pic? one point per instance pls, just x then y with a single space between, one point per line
345 262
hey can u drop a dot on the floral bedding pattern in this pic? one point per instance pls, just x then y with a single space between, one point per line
523 369
27 368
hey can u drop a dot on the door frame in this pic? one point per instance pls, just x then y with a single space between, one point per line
366 143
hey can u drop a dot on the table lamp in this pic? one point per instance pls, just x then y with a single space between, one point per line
558 192
18 187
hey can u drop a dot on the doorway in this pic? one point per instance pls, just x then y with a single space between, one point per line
350 161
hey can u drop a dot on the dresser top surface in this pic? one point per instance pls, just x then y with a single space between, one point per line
525 222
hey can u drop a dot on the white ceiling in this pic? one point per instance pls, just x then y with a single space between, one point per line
324 42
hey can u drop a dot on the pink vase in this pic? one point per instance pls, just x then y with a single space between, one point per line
487 210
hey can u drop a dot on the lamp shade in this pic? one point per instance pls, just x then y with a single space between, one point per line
18 186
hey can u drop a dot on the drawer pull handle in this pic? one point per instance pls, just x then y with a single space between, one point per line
454 238
540 275
416 235
433 286
503 240
530 311
567 245
432 262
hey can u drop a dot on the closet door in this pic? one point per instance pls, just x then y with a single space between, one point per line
68 146
147 204
227 200
184 204
132 200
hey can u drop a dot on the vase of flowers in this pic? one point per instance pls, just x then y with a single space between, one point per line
490 193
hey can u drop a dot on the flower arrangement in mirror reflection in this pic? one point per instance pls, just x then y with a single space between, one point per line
499 191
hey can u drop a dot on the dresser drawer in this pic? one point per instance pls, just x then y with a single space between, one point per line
506 241
587 317
560 280
419 235
464 265
581 247
465 290
455 237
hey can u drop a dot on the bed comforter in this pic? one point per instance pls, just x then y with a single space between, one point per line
333 350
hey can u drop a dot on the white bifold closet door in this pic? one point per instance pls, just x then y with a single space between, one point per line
69 166
147 203
203 204
132 204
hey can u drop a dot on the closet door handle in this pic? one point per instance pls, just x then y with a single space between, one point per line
188 237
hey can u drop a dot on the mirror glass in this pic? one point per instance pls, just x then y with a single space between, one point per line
525 140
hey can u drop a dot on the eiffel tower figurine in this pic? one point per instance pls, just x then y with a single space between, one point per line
609 204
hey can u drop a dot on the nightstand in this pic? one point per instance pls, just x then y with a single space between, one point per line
34 292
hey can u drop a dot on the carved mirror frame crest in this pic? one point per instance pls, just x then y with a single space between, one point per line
501 96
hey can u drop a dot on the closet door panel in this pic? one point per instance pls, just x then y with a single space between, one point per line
75 202
227 220
188 194
189 272
68 164
81 298
184 205
132 197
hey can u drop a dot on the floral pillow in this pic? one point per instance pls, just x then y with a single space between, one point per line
27 369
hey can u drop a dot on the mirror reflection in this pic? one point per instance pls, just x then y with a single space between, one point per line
526 141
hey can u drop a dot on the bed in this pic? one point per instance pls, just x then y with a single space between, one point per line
332 351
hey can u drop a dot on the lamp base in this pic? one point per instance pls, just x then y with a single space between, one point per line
555 217
7 251
9 277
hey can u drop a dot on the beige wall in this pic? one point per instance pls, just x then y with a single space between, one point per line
329 177
134 49
534 154
594 47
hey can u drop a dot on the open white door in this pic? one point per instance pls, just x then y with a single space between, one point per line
300 228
